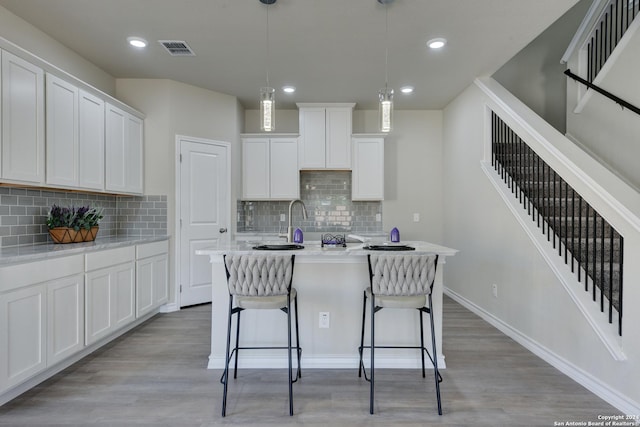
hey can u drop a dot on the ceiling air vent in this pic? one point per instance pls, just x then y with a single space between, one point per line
177 47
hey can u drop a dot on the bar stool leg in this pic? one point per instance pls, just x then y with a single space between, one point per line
422 349
225 376
298 349
289 355
237 350
364 316
373 313
436 373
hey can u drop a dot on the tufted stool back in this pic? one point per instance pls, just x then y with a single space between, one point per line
402 275
259 275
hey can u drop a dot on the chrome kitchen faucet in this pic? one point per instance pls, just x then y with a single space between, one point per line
289 234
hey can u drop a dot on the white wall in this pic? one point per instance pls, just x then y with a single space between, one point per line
171 109
20 33
494 248
603 128
535 74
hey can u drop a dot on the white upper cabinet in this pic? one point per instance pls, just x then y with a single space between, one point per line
367 178
270 168
325 136
23 126
91 146
62 132
123 163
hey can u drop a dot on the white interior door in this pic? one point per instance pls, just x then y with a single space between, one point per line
204 212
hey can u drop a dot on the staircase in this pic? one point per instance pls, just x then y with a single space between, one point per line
583 238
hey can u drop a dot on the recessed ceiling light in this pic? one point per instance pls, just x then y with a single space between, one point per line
437 43
137 42
406 89
288 89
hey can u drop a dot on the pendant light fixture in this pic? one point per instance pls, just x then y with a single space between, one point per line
267 93
385 109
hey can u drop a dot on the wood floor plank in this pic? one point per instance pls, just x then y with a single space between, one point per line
156 375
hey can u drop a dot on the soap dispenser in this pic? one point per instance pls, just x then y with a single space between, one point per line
395 235
297 236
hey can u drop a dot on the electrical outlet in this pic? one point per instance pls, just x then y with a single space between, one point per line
416 217
323 319
494 290
378 217
282 218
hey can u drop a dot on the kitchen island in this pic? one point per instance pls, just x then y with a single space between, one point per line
328 280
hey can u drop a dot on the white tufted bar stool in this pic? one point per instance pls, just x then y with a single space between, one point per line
400 281
260 282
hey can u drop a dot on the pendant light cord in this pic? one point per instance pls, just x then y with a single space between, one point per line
386 45
267 59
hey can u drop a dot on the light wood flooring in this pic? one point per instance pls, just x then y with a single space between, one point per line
156 375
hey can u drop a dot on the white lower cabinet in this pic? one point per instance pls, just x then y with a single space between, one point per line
22 334
109 292
41 316
152 276
53 309
65 318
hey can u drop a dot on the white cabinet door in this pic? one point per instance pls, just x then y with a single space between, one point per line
125 294
284 175
22 334
109 300
22 121
123 140
115 148
255 168
65 318
325 136
134 160
270 168
91 141
312 138
151 283
338 138
368 169
62 132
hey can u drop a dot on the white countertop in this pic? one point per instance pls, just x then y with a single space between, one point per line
315 249
28 253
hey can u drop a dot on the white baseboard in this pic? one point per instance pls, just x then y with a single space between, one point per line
326 362
169 307
591 383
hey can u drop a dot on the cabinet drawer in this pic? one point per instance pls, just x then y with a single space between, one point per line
19 275
102 259
152 249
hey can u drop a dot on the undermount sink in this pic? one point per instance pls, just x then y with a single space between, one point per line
389 248
278 247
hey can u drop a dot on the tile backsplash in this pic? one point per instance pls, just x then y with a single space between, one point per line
327 197
23 213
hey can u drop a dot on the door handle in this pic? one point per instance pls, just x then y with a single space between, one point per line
222 230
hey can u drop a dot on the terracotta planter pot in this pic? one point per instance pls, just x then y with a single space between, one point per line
69 235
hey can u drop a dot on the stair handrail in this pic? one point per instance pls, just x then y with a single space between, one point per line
617 100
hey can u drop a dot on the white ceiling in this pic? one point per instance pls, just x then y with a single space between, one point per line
331 50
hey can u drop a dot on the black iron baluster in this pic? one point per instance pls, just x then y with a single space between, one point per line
573 228
553 209
602 265
586 255
620 287
611 252
538 192
594 273
579 236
